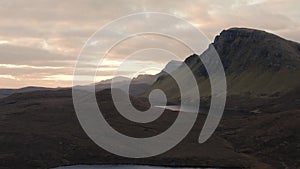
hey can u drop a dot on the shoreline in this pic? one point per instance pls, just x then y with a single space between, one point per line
152 165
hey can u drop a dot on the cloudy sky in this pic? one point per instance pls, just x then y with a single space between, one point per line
41 39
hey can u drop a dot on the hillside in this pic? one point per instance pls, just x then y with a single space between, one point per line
8 92
259 66
40 129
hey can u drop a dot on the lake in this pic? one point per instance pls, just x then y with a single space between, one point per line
184 109
120 167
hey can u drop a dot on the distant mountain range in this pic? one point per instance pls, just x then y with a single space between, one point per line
8 92
138 85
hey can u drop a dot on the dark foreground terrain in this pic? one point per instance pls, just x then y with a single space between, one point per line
40 130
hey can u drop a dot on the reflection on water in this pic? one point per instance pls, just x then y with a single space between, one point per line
177 108
120 167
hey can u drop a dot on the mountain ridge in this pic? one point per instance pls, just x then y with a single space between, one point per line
258 65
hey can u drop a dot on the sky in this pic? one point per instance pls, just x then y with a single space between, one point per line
40 40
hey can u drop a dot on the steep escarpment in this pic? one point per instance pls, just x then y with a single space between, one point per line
259 66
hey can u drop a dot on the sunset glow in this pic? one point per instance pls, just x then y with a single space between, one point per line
40 43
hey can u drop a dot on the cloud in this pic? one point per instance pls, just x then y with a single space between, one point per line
19 55
7 77
40 39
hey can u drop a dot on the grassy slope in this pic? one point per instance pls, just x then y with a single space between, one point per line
262 68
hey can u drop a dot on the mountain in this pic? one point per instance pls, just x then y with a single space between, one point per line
172 66
144 78
138 84
116 79
260 67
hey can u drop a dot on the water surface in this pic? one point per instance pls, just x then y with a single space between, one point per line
121 167
184 109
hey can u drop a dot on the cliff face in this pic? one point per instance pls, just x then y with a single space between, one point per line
256 48
258 65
